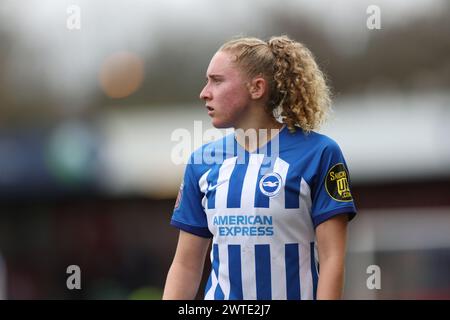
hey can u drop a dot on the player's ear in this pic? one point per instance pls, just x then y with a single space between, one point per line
257 87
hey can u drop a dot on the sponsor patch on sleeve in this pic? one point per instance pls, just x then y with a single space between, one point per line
336 183
179 197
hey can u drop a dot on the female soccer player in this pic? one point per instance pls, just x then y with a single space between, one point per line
274 195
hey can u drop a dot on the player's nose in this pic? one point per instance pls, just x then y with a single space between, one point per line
205 94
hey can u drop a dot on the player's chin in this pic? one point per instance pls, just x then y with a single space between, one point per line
219 123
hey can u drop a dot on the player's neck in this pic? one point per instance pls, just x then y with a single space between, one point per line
257 118
255 134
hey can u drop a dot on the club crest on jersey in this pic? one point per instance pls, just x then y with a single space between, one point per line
270 184
336 183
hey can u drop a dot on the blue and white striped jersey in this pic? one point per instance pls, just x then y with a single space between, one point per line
261 210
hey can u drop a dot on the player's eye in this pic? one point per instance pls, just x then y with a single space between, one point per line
213 80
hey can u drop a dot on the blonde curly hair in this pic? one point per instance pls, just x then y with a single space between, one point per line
298 92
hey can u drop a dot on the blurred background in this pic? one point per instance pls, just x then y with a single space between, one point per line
91 94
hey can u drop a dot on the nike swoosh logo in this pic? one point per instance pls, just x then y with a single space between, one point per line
214 187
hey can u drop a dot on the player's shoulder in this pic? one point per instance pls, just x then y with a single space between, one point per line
313 140
210 153
213 147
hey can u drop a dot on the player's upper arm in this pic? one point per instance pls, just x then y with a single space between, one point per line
189 214
331 236
191 250
331 191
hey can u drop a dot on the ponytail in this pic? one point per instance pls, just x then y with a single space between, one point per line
298 92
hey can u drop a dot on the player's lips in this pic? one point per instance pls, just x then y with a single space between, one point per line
210 110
